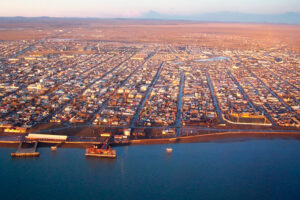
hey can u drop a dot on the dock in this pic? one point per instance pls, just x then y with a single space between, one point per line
23 151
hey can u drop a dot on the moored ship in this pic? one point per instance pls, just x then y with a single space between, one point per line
99 152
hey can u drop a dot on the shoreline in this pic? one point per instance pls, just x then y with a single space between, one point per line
214 137
209 137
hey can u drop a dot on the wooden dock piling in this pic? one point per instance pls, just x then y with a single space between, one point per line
26 152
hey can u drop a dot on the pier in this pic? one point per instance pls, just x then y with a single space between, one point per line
24 151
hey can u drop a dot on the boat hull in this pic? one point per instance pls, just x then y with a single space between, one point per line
101 155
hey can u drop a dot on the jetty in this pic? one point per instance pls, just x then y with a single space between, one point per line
26 149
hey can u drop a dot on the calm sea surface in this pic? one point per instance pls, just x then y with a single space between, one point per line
251 169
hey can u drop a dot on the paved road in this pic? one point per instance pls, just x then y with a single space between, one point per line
82 91
215 100
97 139
104 104
242 90
179 105
136 115
271 91
164 127
288 83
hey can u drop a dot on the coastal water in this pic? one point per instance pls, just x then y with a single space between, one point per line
250 169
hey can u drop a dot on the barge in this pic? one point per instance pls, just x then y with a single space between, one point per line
99 152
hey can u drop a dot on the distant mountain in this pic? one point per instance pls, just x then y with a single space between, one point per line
287 18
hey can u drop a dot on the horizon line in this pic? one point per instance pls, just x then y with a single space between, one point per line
163 19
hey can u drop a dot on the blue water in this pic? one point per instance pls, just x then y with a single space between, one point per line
212 59
252 169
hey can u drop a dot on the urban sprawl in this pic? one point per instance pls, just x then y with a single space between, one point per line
131 85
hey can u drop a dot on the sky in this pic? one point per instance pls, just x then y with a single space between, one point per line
135 8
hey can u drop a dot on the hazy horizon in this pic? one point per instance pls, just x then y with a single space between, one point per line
136 9
220 17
